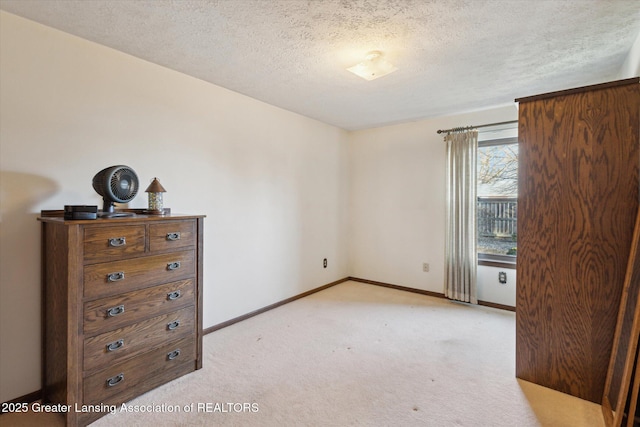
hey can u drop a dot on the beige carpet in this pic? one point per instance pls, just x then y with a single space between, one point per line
359 355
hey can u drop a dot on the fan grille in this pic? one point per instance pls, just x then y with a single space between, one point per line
124 184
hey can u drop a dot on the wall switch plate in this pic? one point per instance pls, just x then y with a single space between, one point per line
425 267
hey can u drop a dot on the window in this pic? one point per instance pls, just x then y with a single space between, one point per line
497 208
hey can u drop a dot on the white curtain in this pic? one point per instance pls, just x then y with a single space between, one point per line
461 233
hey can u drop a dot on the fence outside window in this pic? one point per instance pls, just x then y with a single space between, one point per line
497 225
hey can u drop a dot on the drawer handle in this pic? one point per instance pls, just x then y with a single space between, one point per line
173 325
173 236
173 266
115 311
114 277
175 353
117 241
172 296
115 380
116 345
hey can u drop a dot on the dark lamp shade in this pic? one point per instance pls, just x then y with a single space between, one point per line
155 187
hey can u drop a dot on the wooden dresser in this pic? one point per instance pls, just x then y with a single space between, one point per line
122 308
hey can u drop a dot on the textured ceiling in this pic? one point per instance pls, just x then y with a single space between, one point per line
452 55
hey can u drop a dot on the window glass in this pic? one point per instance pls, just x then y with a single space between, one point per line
497 191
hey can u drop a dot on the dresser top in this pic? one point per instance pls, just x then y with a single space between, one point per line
57 216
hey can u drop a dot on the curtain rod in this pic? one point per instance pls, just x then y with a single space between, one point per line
475 127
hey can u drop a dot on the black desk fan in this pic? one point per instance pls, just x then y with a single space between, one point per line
116 184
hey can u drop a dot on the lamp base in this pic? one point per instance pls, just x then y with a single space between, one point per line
165 211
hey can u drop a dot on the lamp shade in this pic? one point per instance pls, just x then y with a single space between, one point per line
155 187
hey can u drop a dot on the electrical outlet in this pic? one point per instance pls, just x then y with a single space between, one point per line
425 267
502 277
324 263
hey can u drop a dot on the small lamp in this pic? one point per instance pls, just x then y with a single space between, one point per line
155 190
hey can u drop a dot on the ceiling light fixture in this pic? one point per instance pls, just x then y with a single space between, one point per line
373 66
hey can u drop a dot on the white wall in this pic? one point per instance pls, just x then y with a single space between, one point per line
631 66
491 290
397 204
272 183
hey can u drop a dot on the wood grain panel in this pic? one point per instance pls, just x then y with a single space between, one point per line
578 196
539 179
625 346
138 273
185 231
129 241
55 295
136 305
149 383
617 183
135 371
137 338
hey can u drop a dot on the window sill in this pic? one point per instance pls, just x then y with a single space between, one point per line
500 261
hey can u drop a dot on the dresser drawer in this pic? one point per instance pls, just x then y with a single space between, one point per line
133 373
116 242
172 235
132 340
110 278
114 312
